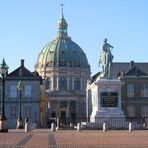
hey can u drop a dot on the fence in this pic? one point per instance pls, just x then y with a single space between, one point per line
116 123
113 123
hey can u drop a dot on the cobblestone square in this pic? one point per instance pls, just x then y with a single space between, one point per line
44 138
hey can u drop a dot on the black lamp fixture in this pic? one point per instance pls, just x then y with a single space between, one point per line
20 88
3 120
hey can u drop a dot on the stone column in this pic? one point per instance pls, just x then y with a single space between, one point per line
52 83
57 83
68 110
72 83
67 82
58 109
77 111
81 84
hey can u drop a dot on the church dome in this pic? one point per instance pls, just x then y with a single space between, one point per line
62 51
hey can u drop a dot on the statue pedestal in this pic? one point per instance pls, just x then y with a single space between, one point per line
106 101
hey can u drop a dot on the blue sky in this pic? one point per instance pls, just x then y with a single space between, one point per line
26 26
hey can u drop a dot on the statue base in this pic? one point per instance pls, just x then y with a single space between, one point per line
106 102
106 114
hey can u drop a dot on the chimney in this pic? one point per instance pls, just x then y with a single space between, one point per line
131 64
22 62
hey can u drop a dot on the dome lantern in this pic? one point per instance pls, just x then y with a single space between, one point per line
62 25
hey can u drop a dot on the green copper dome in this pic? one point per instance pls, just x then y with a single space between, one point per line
62 51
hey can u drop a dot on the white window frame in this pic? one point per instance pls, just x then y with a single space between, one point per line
28 91
28 111
144 111
13 111
13 91
144 90
130 90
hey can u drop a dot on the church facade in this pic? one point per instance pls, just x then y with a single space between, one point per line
64 69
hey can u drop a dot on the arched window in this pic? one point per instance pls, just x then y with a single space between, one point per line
70 83
77 83
47 83
63 83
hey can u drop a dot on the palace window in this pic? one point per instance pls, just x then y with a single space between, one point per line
144 111
144 90
13 91
28 91
13 111
73 105
130 90
28 111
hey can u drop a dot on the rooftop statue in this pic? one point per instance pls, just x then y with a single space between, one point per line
106 58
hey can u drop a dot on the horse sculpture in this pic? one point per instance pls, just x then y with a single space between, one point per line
106 58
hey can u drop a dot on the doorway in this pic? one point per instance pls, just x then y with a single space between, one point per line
63 116
73 116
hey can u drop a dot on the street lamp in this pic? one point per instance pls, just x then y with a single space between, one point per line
20 88
3 120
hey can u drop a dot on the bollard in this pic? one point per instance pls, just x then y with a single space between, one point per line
71 125
105 128
26 119
58 122
131 128
53 127
78 127
57 128
26 127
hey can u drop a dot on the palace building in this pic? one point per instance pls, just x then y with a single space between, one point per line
30 96
134 90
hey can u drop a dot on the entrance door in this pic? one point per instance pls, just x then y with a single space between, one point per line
63 116
73 116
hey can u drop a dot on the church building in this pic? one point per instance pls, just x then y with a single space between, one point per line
64 67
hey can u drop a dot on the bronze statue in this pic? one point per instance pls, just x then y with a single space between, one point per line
106 58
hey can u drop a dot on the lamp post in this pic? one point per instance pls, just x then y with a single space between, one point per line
3 120
19 120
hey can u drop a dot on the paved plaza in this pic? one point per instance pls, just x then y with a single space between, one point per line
44 138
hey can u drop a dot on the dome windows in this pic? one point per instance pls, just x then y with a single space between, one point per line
77 83
47 83
74 52
51 52
63 83
62 51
